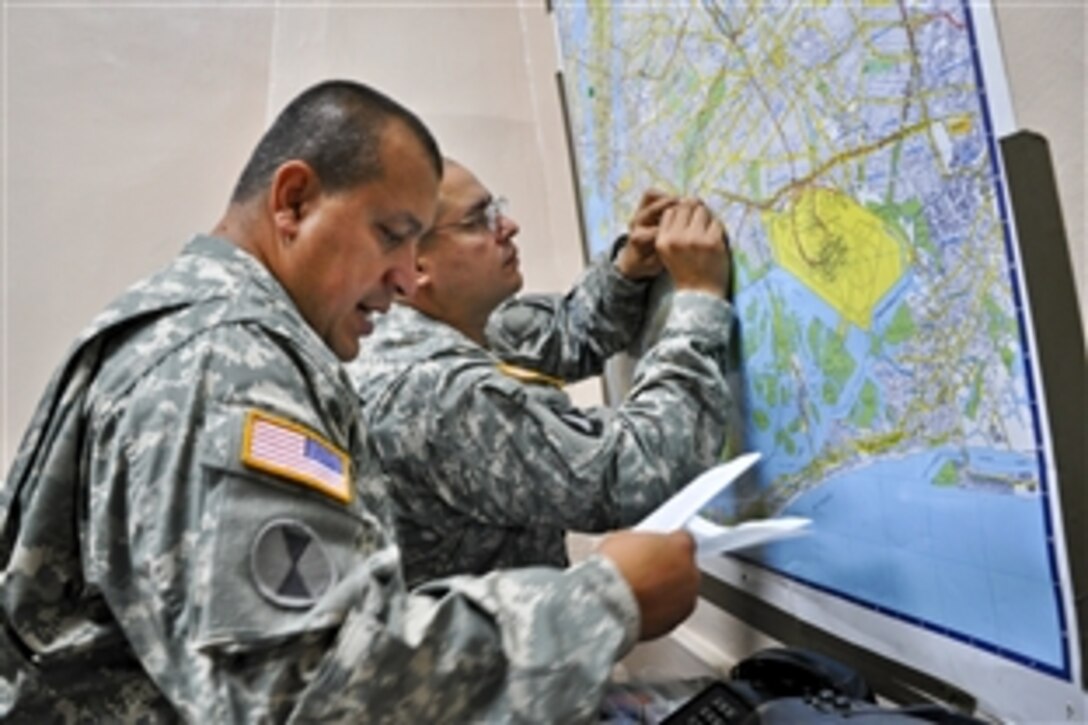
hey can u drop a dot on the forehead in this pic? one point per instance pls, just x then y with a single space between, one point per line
408 183
459 192
403 157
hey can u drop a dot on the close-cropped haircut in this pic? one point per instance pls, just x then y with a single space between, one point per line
336 127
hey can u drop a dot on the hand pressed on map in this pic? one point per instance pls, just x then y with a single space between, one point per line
638 259
692 244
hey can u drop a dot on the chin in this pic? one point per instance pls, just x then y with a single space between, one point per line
344 352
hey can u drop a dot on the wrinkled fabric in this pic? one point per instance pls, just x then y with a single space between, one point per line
139 582
489 467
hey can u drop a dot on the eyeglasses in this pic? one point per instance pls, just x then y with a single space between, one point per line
485 219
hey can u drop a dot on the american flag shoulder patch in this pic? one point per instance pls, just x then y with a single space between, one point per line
291 451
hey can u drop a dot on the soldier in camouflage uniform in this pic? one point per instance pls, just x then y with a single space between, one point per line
461 386
193 528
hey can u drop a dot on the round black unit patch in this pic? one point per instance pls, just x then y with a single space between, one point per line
290 565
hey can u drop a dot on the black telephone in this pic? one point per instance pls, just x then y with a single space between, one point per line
766 676
787 685
794 672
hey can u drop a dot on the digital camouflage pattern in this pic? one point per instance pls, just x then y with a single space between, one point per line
489 469
149 574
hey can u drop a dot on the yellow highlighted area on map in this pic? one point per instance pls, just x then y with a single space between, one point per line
837 248
960 125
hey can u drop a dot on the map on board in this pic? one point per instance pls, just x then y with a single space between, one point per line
847 146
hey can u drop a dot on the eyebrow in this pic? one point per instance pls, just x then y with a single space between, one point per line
478 207
397 220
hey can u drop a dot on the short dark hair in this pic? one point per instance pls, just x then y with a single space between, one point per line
336 128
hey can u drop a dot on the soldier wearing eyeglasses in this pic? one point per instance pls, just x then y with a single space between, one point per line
490 461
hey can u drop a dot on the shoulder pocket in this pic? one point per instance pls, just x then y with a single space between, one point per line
282 556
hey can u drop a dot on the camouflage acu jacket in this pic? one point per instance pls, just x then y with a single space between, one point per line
193 529
490 464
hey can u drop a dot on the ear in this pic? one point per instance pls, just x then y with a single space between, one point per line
291 194
425 268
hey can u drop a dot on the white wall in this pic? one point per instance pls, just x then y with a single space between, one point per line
1045 59
125 129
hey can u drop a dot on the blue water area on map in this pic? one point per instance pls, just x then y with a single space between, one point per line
803 307
948 558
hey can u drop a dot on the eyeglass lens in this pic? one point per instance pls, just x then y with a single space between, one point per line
493 213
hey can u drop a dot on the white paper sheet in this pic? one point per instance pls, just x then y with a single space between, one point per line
678 510
710 538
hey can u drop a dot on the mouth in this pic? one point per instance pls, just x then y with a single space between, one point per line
375 303
363 324
364 313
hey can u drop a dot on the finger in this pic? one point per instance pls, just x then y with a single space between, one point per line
649 214
682 213
650 196
667 216
717 229
701 217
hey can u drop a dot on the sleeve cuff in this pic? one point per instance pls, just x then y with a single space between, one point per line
615 278
617 245
699 313
603 578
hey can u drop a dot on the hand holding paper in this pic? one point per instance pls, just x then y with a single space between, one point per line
681 511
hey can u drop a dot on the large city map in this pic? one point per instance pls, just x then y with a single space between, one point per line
886 375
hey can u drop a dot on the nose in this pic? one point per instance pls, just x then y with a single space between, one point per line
508 228
401 275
